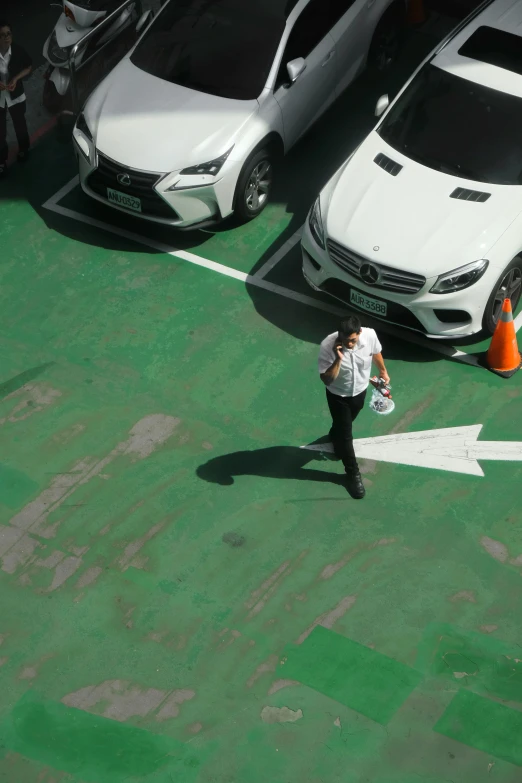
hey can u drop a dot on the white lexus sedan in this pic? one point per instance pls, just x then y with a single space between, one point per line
422 225
185 130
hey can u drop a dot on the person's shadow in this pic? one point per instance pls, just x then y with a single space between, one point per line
281 462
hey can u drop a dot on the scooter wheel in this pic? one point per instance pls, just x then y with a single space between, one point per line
52 100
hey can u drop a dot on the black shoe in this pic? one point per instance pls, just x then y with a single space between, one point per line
355 486
22 157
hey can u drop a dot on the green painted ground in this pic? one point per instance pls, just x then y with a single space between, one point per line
188 596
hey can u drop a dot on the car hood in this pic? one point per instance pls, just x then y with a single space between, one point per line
150 124
409 220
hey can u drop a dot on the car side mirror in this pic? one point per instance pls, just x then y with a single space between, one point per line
382 105
295 68
143 21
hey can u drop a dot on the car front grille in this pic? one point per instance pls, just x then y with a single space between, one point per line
396 313
141 186
390 279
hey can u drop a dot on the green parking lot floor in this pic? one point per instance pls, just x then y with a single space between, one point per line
185 593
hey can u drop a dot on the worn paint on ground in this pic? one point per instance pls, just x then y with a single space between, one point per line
165 544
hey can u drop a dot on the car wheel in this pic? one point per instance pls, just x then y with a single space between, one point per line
508 286
254 185
386 41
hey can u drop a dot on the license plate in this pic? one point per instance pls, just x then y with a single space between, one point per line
123 200
376 306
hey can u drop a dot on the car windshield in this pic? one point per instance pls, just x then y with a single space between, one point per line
220 47
458 127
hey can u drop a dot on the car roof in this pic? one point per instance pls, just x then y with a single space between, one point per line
485 50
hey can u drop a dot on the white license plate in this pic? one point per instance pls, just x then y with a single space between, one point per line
376 306
123 200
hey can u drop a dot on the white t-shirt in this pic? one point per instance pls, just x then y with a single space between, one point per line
5 95
356 366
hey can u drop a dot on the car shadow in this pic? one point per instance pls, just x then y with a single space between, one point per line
51 166
300 178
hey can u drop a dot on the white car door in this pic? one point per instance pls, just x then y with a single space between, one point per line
314 90
352 32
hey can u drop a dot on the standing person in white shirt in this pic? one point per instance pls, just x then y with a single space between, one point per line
15 65
345 363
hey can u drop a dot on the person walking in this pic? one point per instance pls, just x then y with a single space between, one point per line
15 65
345 363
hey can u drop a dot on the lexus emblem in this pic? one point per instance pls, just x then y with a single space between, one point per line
124 179
370 274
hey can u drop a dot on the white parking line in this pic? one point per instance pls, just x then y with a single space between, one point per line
61 193
257 279
279 254
192 258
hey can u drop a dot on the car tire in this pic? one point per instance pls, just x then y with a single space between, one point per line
508 286
387 39
254 185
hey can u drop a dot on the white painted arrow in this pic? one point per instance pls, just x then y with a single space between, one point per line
455 449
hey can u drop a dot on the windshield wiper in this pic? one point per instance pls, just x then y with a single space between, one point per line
444 168
458 171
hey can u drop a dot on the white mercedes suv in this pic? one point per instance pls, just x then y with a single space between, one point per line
422 225
185 130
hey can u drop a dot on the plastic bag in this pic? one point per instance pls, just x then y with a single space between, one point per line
380 404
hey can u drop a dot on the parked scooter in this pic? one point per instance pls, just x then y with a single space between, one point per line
76 20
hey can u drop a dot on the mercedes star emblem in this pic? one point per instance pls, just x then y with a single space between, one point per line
124 179
370 274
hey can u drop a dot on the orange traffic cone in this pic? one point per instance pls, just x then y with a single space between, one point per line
503 356
416 12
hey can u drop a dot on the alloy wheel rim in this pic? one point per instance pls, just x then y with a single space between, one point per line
258 186
509 288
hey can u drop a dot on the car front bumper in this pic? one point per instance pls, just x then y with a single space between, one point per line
419 311
184 209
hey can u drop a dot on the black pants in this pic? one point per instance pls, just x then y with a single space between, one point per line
17 113
344 411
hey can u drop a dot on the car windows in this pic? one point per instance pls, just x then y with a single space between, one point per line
217 47
308 31
338 8
434 122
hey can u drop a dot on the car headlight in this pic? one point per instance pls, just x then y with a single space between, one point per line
212 167
57 53
83 136
460 278
315 221
81 125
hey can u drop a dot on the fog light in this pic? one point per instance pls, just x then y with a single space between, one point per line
452 316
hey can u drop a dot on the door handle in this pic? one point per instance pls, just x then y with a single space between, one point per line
330 55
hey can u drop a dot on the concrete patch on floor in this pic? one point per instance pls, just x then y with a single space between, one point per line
332 568
129 556
464 595
495 548
171 706
122 700
270 665
280 715
329 618
278 685
262 595
33 399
